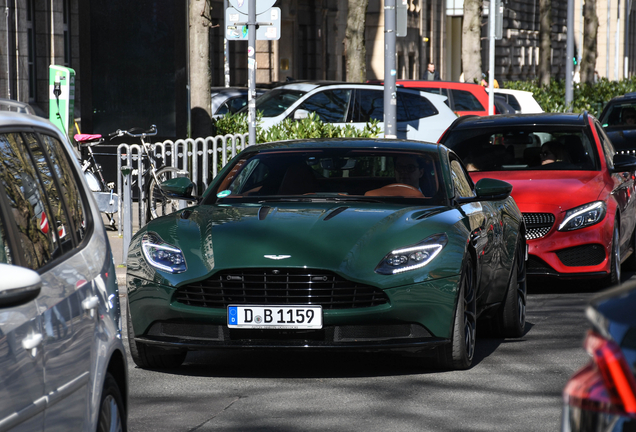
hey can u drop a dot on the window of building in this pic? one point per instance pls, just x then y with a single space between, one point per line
30 30
67 32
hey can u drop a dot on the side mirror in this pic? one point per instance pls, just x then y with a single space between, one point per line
178 188
623 162
301 114
19 285
488 189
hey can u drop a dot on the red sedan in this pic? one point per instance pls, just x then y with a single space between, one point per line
463 98
576 194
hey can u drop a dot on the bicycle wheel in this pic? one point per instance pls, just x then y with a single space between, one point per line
157 204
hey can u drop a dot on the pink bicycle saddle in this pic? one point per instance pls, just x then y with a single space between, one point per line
86 137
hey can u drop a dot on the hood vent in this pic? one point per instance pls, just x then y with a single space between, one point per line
335 212
263 212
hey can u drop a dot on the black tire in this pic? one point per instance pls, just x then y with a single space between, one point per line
511 319
630 263
459 353
150 357
614 277
112 412
156 203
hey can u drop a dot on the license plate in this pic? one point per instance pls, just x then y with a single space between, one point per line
275 317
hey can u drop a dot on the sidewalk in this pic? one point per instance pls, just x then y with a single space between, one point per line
117 246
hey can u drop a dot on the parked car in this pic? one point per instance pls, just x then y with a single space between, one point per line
522 101
62 360
463 98
352 244
619 121
420 116
502 106
601 396
576 194
230 99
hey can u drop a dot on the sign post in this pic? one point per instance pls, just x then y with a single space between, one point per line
249 20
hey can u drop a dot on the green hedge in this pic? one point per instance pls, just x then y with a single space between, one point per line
311 127
590 97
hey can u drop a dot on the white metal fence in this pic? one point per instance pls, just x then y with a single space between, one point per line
201 158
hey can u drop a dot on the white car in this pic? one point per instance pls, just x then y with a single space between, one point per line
420 116
522 101
63 365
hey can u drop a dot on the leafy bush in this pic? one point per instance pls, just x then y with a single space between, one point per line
310 127
590 97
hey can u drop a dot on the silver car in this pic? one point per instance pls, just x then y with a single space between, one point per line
62 361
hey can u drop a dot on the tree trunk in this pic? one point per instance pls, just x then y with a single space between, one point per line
588 59
471 40
545 42
355 51
200 77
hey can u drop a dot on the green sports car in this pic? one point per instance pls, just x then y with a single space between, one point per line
351 244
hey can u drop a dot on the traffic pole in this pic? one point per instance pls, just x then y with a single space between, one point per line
491 58
251 71
569 67
390 92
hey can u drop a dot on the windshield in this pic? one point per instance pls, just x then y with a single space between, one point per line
275 102
333 174
621 115
524 148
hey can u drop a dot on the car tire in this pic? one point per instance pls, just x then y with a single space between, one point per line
614 277
150 357
511 318
459 353
630 262
112 412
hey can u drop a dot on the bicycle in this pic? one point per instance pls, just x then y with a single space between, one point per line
155 202
104 192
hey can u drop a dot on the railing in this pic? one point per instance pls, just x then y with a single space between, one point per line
201 158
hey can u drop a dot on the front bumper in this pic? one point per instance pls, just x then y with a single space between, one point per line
572 254
416 317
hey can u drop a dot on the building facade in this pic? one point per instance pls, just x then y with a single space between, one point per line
39 33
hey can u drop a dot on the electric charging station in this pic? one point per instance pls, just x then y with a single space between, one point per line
61 97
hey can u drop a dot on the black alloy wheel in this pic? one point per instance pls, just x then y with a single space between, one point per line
614 277
459 353
511 320
630 262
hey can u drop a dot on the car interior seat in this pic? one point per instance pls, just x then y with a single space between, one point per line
532 156
575 148
299 179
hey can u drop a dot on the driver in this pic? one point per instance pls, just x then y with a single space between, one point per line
409 170
629 116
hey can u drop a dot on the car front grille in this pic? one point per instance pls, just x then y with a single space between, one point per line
280 287
584 255
538 224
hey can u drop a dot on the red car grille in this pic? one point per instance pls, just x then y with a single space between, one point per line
280 287
538 224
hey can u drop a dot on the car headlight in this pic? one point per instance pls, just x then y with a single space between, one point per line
161 255
583 216
412 257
